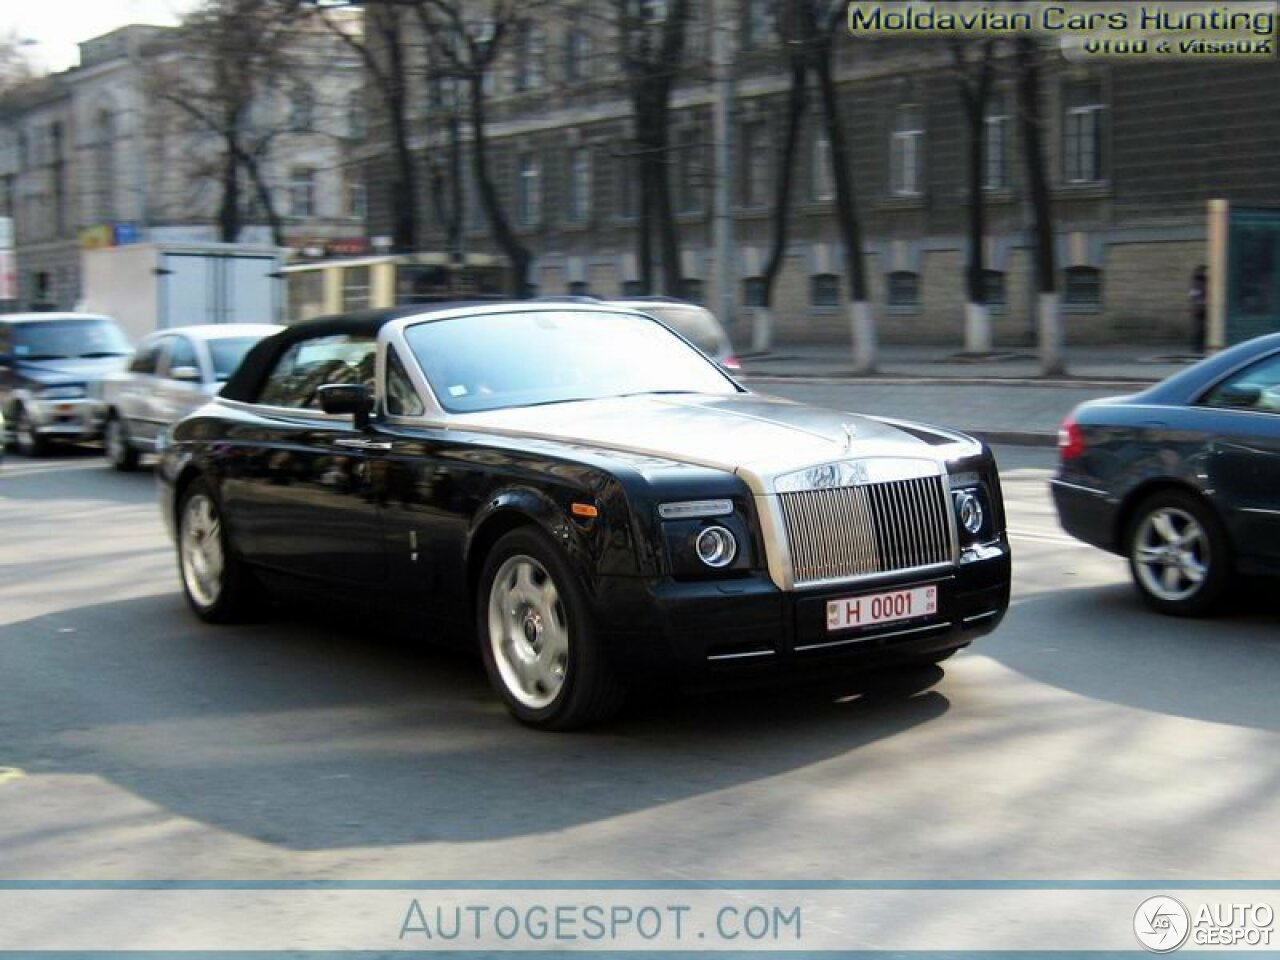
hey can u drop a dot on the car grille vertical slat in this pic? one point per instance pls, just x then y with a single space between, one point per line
844 532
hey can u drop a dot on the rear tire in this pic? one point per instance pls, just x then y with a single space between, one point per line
117 445
217 584
1179 554
541 651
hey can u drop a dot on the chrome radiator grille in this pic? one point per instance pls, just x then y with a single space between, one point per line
843 532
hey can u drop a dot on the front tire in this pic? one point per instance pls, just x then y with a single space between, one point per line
218 586
25 438
119 449
540 648
1179 554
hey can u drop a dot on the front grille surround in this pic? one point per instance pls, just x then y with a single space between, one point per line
863 530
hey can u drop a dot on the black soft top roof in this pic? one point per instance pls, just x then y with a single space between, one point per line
246 382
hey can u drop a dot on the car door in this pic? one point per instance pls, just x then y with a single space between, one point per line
297 493
182 384
133 391
1242 416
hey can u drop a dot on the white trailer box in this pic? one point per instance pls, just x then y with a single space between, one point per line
151 286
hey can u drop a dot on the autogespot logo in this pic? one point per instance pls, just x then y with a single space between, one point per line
1161 924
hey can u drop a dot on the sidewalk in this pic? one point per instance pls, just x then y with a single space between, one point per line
1002 399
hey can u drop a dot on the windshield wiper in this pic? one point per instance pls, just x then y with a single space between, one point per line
43 356
97 354
654 393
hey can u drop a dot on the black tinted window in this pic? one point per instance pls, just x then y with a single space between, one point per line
1254 388
402 398
145 360
310 364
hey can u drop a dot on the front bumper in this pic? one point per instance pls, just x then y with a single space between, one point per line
75 419
730 632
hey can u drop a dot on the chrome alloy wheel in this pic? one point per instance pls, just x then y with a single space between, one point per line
528 631
201 545
1171 554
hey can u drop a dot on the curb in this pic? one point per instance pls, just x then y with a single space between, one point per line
1014 438
862 380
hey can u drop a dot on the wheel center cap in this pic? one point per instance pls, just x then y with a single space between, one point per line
532 627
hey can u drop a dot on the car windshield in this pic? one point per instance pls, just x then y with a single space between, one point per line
695 324
65 339
227 352
492 361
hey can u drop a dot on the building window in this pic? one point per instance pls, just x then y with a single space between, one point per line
106 164
625 192
302 192
302 109
632 288
820 181
1082 134
757 23
691 289
579 288
753 292
824 290
357 128
755 156
357 197
904 290
906 153
993 291
579 184
530 53
690 174
530 190
1082 289
577 56
995 132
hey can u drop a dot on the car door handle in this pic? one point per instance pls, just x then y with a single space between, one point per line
357 443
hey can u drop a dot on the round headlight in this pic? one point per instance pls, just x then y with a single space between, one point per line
716 547
969 511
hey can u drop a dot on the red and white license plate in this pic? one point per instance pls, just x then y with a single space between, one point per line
881 608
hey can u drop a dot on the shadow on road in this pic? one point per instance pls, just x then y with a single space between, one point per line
1103 643
61 476
310 733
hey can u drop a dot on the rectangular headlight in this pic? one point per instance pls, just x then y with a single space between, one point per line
694 509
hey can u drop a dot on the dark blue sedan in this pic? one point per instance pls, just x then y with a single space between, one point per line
1183 479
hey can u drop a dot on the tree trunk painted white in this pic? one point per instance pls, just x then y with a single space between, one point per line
1050 331
761 330
862 325
977 328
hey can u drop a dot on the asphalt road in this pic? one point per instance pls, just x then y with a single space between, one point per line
1086 739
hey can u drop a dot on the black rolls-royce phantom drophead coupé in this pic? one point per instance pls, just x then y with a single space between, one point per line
593 500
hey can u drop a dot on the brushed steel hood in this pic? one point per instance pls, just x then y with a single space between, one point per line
756 436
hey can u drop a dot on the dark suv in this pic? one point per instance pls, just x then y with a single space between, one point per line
50 365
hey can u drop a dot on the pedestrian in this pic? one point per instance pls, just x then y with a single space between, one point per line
1198 295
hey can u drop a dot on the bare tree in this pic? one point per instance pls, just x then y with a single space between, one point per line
793 28
1029 65
651 47
384 47
826 25
15 66
218 70
469 48
974 66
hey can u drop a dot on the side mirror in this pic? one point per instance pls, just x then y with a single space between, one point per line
347 398
1239 395
185 374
